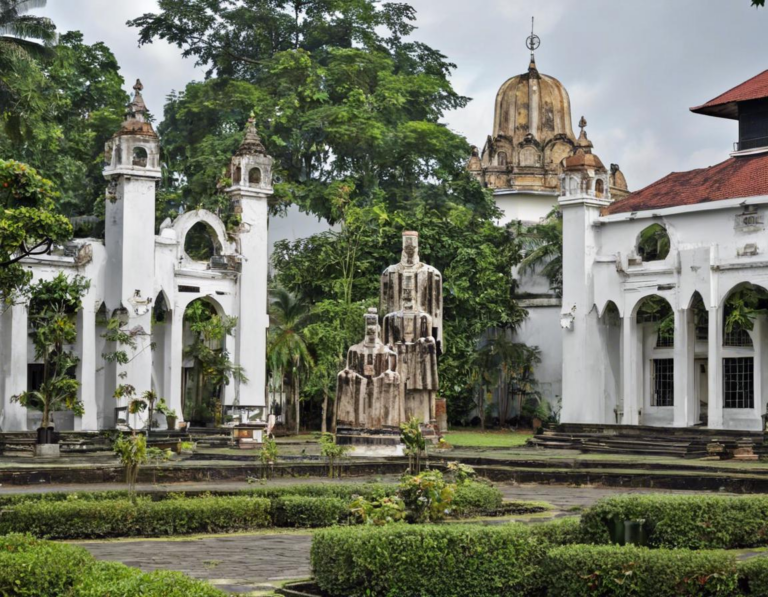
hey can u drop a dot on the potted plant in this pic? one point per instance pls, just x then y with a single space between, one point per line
52 313
170 418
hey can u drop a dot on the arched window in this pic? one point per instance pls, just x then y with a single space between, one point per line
653 243
140 157
501 158
201 242
599 187
237 176
254 176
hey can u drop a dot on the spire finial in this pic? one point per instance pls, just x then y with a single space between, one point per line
139 87
582 125
251 144
533 42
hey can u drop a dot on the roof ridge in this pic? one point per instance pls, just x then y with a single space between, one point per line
724 93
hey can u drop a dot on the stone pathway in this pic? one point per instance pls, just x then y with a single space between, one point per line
238 564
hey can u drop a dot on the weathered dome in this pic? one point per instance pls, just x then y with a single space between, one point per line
532 103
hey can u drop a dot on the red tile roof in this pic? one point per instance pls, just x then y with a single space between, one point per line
724 105
743 176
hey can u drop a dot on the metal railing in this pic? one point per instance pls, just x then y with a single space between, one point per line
746 144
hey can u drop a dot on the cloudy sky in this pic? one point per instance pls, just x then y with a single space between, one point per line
632 67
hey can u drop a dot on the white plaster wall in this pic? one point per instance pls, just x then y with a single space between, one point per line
542 329
523 206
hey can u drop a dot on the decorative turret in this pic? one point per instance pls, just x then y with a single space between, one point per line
135 147
251 167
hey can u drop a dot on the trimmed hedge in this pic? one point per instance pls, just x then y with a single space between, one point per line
753 577
681 521
476 498
30 567
612 571
427 560
565 531
309 512
122 518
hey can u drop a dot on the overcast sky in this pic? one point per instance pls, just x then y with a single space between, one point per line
632 67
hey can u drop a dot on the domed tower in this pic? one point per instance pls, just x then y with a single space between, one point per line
532 136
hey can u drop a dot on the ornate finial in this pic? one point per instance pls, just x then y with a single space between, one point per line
137 109
584 144
582 125
139 87
251 144
533 42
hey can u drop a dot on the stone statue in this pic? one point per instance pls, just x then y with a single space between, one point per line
412 297
426 287
368 391
410 333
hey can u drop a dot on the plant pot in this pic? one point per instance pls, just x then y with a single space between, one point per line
536 424
47 435
171 423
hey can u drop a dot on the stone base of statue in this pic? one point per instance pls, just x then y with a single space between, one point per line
373 443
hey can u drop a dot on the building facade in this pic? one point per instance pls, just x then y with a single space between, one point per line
665 301
522 161
148 281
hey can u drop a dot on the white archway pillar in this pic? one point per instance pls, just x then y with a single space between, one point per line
86 368
684 408
14 361
715 368
175 360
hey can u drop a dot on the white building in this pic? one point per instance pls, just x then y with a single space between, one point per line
148 281
647 329
522 162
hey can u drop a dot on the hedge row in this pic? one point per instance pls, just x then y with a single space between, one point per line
29 567
476 498
518 561
122 518
340 490
681 521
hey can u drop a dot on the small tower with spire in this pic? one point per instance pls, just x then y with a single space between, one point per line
133 171
251 174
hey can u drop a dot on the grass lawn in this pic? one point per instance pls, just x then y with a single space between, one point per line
487 439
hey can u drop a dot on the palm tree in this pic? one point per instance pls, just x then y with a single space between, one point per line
543 249
23 40
287 352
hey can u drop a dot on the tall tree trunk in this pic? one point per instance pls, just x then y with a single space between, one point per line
324 424
297 405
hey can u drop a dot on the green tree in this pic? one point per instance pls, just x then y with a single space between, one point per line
287 352
542 246
29 224
213 368
82 104
24 39
53 309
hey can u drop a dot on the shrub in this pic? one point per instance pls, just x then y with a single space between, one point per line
31 567
427 497
566 531
476 498
612 571
681 521
302 511
426 560
385 510
753 577
117 580
122 518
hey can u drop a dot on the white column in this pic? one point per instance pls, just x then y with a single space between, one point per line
86 369
683 388
231 389
632 366
715 369
175 361
14 344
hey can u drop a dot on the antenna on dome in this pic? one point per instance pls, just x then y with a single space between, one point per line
533 41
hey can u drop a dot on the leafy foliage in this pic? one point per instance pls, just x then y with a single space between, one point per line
132 451
52 316
332 452
653 243
427 497
28 221
542 245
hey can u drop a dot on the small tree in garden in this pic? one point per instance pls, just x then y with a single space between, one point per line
148 401
52 313
332 452
415 444
132 451
427 496
268 457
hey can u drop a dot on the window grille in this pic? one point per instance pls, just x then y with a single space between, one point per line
738 336
739 382
663 382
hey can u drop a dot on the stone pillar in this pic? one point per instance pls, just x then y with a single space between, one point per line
715 369
684 389
175 360
86 369
15 338
632 367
